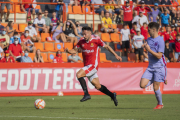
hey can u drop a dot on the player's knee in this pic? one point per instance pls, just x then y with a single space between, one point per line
98 86
78 75
142 86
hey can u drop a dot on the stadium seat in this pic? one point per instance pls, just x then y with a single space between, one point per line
70 9
88 9
51 56
117 47
44 55
131 57
103 58
44 36
64 57
49 47
4 24
68 45
105 37
22 27
39 46
59 46
38 7
31 55
115 37
77 10
15 26
18 9
114 26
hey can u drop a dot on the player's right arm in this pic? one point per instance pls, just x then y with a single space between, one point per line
75 50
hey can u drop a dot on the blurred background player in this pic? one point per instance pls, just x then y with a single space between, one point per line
156 71
90 52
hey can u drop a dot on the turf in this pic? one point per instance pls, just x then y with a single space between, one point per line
99 107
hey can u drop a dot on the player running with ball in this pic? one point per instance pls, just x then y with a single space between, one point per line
156 71
90 52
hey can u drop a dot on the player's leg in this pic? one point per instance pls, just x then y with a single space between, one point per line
80 75
146 79
95 81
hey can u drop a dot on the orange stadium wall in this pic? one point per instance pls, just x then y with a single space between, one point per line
37 79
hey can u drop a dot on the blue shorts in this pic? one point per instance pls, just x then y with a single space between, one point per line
177 54
172 45
99 10
36 10
155 74
117 11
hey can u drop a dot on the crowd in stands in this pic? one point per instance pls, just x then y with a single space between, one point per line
133 15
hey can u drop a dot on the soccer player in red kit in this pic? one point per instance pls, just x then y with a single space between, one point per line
90 52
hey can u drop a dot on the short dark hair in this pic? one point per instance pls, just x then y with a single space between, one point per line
26 50
54 11
15 33
144 23
125 24
45 10
167 41
154 25
39 14
134 23
26 31
87 28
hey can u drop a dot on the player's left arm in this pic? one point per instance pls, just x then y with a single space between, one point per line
160 50
113 52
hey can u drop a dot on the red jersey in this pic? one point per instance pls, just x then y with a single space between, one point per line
90 51
166 36
27 5
8 60
177 46
145 10
173 34
16 50
144 32
26 40
128 13
57 60
133 32
175 4
160 33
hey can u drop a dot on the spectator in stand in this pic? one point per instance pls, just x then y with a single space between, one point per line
4 39
84 2
58 58
69 29
143 9
110 8
27 7
79 30
32 32
154 15
59 8
73 58
54 18
167 33
149 2
10 30
47 20
107 24
127 11
1 27
58 34
176 20
40 24
99 8
8 6
7 58
164 19
138 45
144 30
172 37
140 19
177 48
133 33
27 44
15 50
38 58
167 52
126 39
16 36
177 28
166 2
26 58
175 4
66 2
95 35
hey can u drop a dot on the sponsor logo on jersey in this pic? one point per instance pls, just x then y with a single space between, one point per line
88 51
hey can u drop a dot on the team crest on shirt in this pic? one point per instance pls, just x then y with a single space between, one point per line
92 45
155 44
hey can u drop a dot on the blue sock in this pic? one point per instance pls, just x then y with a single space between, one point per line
149 83
158 97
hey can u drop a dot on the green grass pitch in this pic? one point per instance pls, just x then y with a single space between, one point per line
100 107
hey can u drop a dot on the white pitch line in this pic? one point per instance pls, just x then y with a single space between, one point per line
65 117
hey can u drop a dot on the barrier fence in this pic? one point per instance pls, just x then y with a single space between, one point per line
31 79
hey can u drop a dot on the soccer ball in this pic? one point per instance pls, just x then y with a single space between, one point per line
60 93
39 104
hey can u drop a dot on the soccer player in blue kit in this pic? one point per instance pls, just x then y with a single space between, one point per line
156 71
